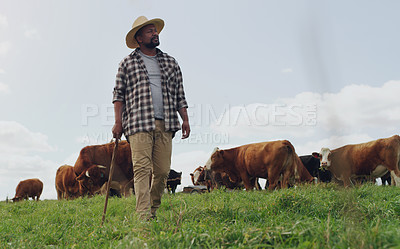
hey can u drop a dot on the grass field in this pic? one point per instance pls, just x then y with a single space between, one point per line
319 216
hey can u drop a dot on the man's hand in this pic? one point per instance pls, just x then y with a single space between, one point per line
185 123
185 129
117 130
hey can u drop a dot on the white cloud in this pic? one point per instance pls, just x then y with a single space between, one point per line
4 47
355 109
2 71
32 34
287 70
16 138
3 21
4 88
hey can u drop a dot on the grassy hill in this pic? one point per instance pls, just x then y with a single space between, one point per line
321 216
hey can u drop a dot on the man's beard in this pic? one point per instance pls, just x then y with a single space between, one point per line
153 43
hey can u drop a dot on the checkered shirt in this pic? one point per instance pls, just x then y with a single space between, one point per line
133 89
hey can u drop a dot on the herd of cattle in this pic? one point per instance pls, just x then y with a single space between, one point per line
239 167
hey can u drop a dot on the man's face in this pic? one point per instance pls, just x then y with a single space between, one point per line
148 36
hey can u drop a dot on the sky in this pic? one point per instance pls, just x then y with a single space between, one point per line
317 73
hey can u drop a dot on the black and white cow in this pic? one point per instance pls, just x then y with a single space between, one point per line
174 179
312 164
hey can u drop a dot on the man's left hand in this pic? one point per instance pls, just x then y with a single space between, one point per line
185 129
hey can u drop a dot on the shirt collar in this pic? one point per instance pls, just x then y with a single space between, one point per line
136 52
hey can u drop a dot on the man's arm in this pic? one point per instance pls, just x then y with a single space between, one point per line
185 123
117 129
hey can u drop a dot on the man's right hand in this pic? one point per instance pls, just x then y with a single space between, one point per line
117 130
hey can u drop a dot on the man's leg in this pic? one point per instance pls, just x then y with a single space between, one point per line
161 164
141 147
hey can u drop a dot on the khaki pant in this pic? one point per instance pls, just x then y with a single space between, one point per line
151 159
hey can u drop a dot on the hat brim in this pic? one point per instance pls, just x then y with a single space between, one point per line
130 37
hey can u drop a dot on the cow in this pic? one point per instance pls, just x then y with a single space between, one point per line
174 179
205 177
269 160
101 155
212 179
28 188
372 159
70 186
311 163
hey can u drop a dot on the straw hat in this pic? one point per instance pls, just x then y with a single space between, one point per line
140 22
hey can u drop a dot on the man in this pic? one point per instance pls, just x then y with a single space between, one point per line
147 96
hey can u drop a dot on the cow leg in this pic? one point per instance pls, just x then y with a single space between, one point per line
346 181
394 179
59 194
272 181
174 189
397 171
285 179
255 182
247 182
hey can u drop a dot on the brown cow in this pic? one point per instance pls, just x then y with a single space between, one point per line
371 159
269 160
69 186
28 188
101 155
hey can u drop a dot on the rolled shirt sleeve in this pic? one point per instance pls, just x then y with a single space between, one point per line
120 84
181 99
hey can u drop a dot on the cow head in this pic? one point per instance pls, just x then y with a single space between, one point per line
17 198
92 179
324 157
196 174
204 176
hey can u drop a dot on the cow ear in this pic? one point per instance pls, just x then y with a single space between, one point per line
315 154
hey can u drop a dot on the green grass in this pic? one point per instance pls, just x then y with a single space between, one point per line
322 216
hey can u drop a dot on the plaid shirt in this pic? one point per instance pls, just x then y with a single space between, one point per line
133 89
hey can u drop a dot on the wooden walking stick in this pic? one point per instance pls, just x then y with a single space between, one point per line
110 179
